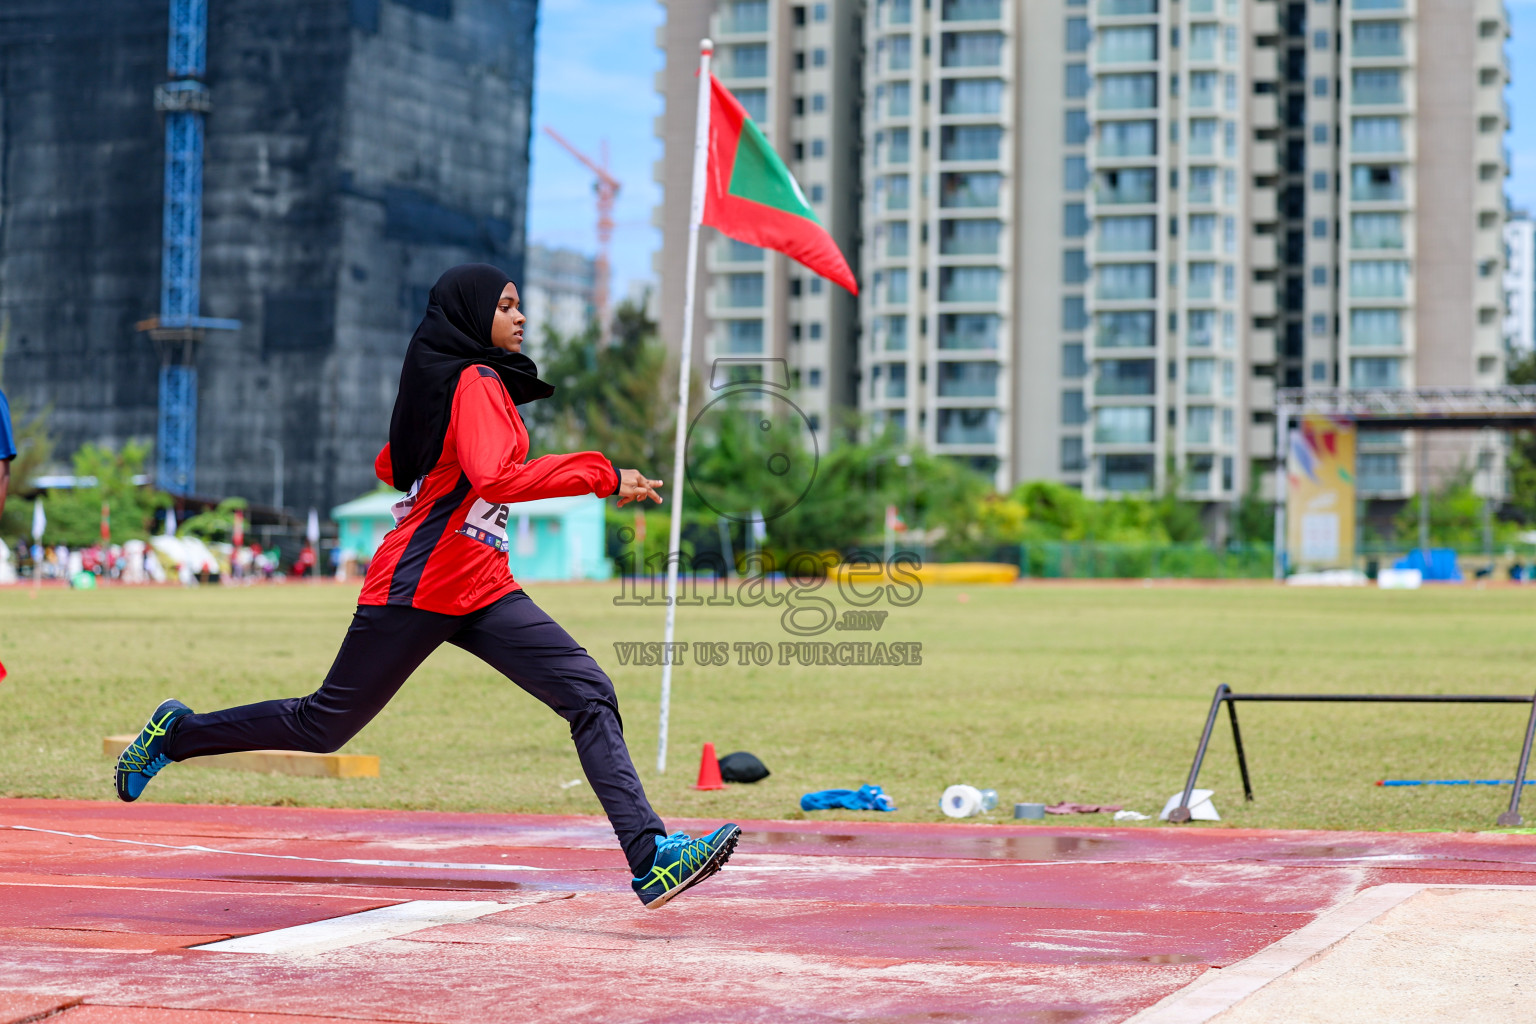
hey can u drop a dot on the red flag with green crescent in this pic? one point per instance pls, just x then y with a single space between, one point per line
752 197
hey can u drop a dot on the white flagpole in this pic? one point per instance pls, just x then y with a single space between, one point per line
684 365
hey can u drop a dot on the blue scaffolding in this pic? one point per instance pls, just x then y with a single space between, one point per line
185 102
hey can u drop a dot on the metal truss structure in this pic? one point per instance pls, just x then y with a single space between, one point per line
1407 408
185 101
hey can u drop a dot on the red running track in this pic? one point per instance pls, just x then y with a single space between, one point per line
811 921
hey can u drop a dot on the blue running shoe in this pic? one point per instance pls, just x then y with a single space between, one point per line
682 863
142 759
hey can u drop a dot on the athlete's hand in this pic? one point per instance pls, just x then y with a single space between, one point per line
633 486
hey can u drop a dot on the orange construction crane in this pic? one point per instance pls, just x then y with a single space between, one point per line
607 188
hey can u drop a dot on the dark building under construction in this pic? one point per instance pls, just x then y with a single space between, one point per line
351 151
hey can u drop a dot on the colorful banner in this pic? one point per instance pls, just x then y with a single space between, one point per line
1320 494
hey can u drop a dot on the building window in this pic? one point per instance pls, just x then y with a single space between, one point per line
1074 314
1133 186
743 291
972 10
1077 127
819 58
969 284
1320 134
1074 174
1319 324
1198 423
896 234
1127 92
1077 81
970 142
1074 413
1122 281
969 237
973 189
818 102
817 193
749 61
754 102
900 150
818 147
1319 371
1128 234
1319 277
1376 87
1375 372
1074 220
895 333
815 377
969 331
1129 45
1376 134
1123 424
1078 35
1376 328
1320 181
1121 377
1127 138
971 49
1376 231
819 13
1072 460
1124 330
1378 279
1074 267
814 330
744 337
971 96
1126 472
1074 365
1320 227
967 380
1376 39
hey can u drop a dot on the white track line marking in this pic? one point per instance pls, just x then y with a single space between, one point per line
1215 992
355 929
197 892
431 865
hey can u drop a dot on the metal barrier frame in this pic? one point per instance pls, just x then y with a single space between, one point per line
1224 695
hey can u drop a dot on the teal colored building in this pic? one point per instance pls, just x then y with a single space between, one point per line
550 539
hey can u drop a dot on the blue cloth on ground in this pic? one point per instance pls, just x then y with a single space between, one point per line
1440 566
865 798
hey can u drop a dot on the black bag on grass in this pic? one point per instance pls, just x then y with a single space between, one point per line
742 767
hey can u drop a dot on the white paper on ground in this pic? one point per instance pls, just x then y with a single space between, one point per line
1200 806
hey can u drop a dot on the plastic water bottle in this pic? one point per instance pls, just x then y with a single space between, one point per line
988 799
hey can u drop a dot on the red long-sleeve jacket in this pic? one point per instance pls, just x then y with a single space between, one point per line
448 550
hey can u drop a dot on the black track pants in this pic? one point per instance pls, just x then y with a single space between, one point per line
384 646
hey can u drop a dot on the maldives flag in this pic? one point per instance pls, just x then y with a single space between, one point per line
752 197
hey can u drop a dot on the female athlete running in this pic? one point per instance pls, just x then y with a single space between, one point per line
457 448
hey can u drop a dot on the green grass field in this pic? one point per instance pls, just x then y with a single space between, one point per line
1048 693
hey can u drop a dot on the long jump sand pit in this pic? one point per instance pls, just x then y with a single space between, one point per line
271 915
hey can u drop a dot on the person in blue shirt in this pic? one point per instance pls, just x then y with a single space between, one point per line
7 449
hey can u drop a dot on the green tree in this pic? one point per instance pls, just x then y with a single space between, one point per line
34 449
74 515
1522 447
615 399
214 524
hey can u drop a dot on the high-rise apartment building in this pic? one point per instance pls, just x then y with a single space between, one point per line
795 68
1099 234
1519 285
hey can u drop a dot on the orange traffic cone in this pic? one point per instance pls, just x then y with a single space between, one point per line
709 770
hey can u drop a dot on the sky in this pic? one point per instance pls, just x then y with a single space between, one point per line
1522 103
595 63
593 73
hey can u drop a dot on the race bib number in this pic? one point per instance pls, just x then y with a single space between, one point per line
487 524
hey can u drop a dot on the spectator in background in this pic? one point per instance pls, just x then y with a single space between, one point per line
7 449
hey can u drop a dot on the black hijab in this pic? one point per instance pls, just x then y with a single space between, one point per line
455 333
